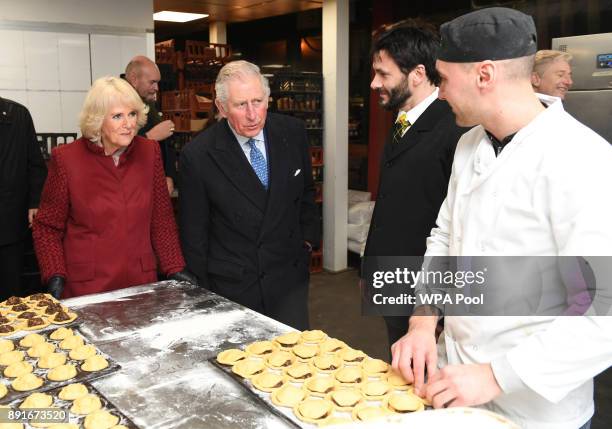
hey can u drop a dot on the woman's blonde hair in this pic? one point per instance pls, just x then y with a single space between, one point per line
105 93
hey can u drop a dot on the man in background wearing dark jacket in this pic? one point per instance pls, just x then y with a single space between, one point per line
416 161
143 74
23 173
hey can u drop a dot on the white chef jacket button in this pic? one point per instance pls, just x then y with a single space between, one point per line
483 247
475 348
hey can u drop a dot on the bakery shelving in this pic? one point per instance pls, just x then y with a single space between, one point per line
300 94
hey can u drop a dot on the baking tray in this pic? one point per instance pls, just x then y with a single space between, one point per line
262 397
46 330
287 413
81 376
33 306
79 419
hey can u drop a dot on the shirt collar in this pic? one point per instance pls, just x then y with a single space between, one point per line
97 147
554 108
499 145
547 99
414 113
553 104
243 140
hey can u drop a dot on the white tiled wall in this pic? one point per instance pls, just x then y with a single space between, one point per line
41 59
105 56
130 47
45 108
12 60
110 54
71 106
74 67
50 73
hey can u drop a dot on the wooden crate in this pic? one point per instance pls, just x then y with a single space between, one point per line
317 173
166 43
316 261
186 99
165 53
177 100
181 119
316 156
201 87
319 192
197 52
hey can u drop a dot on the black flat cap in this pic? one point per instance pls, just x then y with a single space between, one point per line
496 33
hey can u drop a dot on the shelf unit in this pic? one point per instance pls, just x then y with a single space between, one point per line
300 94
187 85
358 149
186 106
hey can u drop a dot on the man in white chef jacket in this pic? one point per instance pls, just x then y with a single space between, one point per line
528 180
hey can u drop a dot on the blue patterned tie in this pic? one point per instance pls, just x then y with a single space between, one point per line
259 163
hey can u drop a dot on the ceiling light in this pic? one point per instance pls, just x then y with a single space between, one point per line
167 15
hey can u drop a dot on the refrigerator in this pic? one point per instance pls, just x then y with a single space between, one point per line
590 98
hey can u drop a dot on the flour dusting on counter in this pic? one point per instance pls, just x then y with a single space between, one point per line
163 335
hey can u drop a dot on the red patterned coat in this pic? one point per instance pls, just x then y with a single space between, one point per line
102 226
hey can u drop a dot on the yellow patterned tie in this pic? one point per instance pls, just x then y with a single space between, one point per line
400 127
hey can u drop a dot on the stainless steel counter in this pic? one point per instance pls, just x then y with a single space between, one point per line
162 335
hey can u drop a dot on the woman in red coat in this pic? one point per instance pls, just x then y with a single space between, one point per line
105 220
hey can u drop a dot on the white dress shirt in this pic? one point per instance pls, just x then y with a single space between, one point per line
260 143
414 113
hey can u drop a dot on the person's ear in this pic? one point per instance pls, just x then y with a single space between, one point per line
220 108
486 73
535 80
418 74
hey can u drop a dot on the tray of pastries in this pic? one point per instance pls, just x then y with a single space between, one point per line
40 311
313 379
42 361
74 406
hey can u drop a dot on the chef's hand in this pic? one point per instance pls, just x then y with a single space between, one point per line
55 286
31 215
416 351
462 386
161 131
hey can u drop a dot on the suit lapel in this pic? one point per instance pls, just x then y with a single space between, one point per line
416 133
231 160
278 162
